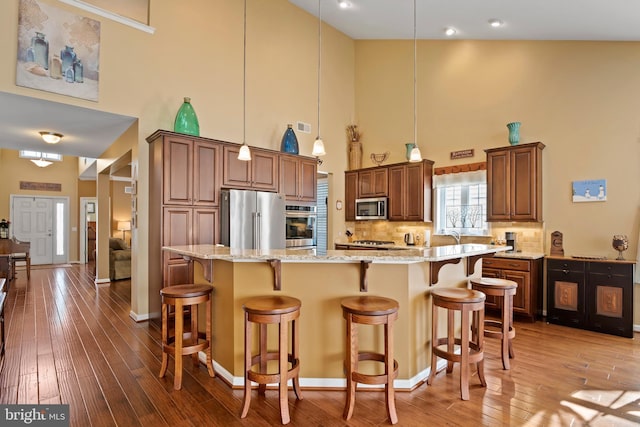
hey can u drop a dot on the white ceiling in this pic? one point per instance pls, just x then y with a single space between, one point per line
88 133
615 20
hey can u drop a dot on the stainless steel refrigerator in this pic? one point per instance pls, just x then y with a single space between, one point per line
252 220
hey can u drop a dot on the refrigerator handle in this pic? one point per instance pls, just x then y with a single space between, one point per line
257 234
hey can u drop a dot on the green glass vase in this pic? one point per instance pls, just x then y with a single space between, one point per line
186 119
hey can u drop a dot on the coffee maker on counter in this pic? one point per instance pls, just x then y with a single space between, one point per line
510 237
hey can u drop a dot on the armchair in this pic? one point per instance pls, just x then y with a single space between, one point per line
119 259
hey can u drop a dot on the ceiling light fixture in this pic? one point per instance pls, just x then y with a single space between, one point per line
245 152
318 144
450 31
41 163
51 137
416 155
495 23
344 4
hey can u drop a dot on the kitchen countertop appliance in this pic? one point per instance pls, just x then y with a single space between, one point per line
510 237
410 239
252 219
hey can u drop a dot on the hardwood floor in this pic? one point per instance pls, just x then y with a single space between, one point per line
70 343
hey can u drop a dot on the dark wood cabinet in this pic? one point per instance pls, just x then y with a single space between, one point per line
373 182
527 273
184 191
190 176
298 177
350 195
591 294
514 183
410 191
260 173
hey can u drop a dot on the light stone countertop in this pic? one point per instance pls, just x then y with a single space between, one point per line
403 256
520 255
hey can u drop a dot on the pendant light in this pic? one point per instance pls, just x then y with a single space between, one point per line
245 152
416 155
318 144
41 163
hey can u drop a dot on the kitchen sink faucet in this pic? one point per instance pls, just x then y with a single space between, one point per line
455 235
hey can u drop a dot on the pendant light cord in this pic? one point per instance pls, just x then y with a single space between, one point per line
244 77
415 83
319 59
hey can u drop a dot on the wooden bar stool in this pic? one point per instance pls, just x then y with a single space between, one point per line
272 310
180 296
464 301
503 328
370 310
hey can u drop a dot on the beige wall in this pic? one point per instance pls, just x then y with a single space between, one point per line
120 207
13 169
579 98
197 51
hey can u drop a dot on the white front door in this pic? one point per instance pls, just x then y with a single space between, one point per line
42 221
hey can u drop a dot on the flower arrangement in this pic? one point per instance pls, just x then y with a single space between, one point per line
353 133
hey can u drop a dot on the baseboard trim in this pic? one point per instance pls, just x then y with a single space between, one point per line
101 282
329 383
139 317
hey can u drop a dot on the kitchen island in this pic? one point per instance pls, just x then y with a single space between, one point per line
320 282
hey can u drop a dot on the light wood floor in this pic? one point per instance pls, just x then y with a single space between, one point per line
70 343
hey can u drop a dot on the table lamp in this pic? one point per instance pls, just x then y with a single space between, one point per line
124 226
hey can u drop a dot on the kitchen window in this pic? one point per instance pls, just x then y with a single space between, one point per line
461 203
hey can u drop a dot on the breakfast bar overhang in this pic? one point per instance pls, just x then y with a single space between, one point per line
321 282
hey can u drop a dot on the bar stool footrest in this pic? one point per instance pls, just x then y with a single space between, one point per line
266 378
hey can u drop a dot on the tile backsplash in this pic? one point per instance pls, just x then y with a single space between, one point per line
530 236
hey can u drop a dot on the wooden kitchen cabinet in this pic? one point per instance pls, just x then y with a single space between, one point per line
191 172
350 195
514 183
591 294
410 191
298 177
186 226
373 182
184 190
527 273
259 173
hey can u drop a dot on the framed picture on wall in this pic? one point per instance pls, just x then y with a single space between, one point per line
594 190
91 207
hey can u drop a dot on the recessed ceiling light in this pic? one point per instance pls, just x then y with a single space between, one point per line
344 4
495 23
449 31
51 137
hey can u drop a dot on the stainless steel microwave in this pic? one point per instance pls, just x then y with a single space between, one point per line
371 208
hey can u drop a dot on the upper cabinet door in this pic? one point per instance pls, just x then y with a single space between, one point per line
514 183
373 182
350 195
259 173
178 175
206 174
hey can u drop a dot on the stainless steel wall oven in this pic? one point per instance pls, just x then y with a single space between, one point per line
300 226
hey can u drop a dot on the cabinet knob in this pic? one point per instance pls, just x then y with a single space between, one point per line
565 271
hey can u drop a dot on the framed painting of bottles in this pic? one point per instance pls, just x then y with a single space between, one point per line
58 51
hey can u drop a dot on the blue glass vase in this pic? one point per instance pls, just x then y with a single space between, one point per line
186 119
289 141
514 132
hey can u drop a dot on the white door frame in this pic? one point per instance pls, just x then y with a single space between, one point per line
84 201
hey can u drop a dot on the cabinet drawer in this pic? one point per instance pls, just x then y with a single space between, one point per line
565 265
506 264
611 268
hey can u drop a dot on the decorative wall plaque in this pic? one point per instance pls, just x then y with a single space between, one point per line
556 244
40 186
